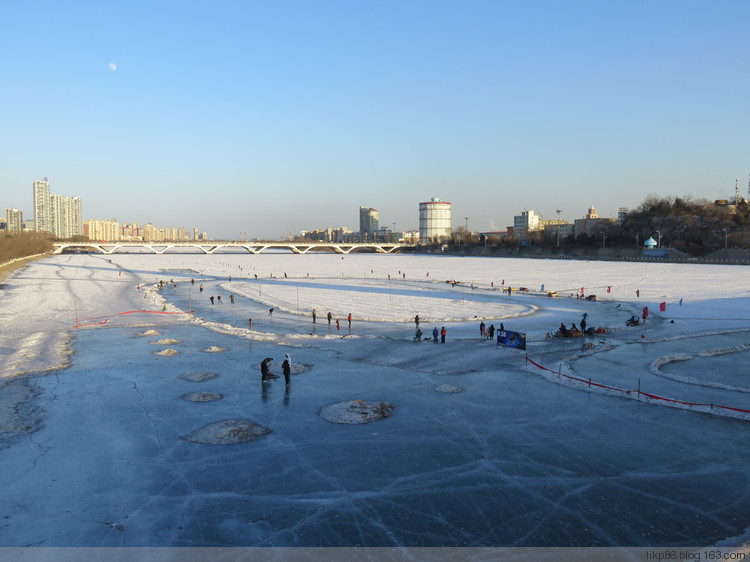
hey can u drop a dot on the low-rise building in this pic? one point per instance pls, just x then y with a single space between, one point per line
591 224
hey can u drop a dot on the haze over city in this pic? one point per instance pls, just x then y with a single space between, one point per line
270 118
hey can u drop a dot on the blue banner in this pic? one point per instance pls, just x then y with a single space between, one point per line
516 340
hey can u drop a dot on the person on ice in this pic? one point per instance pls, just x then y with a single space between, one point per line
330 317
265 373
212 299
315 315
435 335
442 335
286 366
418 335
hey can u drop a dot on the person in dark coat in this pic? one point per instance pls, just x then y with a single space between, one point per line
435 335
491 332
442 335
286 366
265 374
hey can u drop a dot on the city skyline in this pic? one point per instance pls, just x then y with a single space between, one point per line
291 116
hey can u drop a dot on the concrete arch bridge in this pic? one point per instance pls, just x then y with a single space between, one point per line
210 248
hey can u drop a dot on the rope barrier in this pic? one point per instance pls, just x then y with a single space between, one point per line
638 391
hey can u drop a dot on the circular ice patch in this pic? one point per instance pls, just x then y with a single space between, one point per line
230 432
214 349
198 376
355 411
201 396
169 352
165 342
449 388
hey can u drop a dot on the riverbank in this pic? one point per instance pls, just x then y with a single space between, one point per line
671 255
8 267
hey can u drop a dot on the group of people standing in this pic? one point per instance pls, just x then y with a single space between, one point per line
435 334
485 332
329 317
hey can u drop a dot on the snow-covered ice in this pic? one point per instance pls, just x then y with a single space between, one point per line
127 421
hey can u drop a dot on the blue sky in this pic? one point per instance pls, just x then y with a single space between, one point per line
275 116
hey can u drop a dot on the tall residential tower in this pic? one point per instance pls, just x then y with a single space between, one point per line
368 222
58 214
42 206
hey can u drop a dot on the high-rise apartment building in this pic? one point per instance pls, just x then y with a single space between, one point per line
368 222
15 221
58 214
66 216
102 231
434 220
42 210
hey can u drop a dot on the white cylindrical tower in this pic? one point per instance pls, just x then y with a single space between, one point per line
434 220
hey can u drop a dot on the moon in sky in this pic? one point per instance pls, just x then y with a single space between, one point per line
112 66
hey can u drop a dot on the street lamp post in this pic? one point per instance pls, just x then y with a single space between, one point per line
658 244
725 238
604 238
558 227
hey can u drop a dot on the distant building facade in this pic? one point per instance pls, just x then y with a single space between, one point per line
434 220
368 222
58 214
42 210
591 224
14 223
527 221
66 216
554 229
102 231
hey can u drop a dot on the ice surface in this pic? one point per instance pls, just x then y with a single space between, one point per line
92 454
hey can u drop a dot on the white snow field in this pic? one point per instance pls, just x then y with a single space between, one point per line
127 421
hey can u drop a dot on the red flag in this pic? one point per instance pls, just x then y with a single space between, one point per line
581 290
637 292
609 289
645 312
663 307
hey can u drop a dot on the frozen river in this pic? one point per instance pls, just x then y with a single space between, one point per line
479 448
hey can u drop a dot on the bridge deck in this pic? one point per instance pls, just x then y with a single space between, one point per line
211 247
